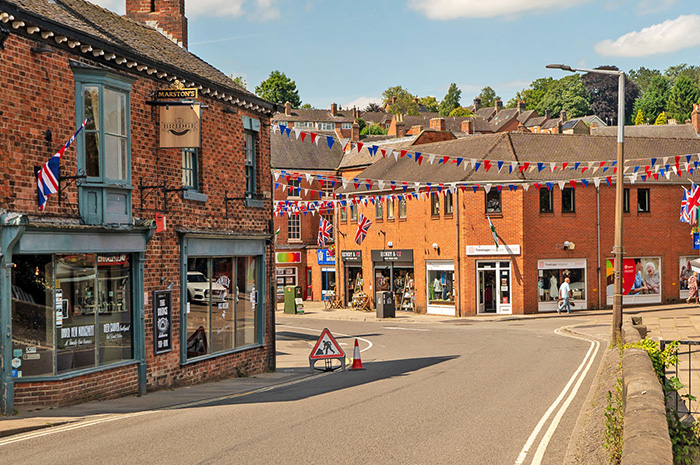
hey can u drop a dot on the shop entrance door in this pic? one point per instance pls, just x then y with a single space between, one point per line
493 287
487 291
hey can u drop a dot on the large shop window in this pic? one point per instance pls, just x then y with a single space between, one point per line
222 304
641 280
550 276
104 148
440 284
70 312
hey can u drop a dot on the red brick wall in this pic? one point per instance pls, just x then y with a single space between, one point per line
170 15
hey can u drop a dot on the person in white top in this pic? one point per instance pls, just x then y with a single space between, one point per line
565 295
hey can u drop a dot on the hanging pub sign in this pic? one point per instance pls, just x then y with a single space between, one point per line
162 319
180 126
184 93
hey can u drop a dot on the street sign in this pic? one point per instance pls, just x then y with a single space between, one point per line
326 348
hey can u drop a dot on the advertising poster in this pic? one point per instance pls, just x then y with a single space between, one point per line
641 280
686 271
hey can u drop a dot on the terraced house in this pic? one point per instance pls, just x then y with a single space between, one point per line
150 265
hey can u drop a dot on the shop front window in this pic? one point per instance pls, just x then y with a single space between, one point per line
550 280
440 287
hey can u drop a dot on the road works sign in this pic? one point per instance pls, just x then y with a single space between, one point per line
326 348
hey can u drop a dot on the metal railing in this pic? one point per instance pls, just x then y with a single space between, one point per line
684 369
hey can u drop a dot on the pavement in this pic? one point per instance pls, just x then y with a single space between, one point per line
675 321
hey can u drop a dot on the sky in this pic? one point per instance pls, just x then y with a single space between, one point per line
349 52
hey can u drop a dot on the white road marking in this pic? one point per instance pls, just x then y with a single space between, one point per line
366 341
587 362
404 329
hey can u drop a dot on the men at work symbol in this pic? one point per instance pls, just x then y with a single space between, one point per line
326 349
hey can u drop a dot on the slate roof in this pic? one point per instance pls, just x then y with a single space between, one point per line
673 131
526 115
293 154
523 147
377 117
501 118
353 159
96 26
487 113
536 121
314 115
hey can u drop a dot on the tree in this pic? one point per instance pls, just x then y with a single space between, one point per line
682 97
674 72
404 104
661 119
655 99
533 94
488 97
460 112
602 93
239 80
567 93
451 100
373 107
639 119
373 130
430 103
278 88
642 77
306 106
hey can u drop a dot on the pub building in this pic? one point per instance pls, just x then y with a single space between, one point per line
150 265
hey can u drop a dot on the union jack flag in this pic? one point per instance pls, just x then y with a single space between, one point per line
47 176
685 217
325 229
363 225
690 204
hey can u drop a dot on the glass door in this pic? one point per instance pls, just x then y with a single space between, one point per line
493 287
488 291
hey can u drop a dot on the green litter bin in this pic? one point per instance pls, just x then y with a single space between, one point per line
293 302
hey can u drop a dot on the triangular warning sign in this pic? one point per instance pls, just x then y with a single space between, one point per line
326 347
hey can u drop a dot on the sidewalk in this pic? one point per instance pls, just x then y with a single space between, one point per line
664 322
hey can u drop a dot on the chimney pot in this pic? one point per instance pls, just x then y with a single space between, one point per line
477 103
695 117
468 126
546 113
521 107
334 109
355 132
499 105
438 124
288 108
563 116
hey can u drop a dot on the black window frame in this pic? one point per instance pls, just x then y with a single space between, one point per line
646 193
434 205
448 203
568 191
546 196
497 206
626 200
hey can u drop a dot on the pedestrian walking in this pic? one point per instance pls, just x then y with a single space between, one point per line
564 296
693 288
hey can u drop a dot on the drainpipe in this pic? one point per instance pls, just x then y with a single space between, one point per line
12 227
597 206
458 274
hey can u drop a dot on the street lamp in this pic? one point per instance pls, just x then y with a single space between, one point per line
618 251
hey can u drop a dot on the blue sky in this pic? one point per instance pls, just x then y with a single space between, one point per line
349 52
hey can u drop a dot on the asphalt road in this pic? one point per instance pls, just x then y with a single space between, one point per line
457 392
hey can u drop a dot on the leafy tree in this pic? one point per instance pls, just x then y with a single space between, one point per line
362 123
682 97
405 104
430 103
642 77
373 130
372 107
533 94
674 72
655 99
451 100
460 112
488 97
239 80
639 119
278 88
661 119
602 92
306 106
567 93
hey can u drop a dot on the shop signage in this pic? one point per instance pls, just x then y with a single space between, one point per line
402 255
107 260
351 255
288 257
162 316
325 258
180 126
557 264
186 93
502 249
696 241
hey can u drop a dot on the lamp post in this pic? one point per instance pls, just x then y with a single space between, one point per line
618 251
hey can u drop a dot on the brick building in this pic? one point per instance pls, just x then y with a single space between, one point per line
438 248
101 300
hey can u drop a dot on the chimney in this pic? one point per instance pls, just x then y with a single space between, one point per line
695 117
438 124
477 103
468 126
400 129
499 105
287 108
546 113
355 132
415 130
563 116
521 107
166 16
355 112
334 109
393 99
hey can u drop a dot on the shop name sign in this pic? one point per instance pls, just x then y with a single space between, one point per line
162 317
325 258
351 255
180 126
502 249
404 255
187 93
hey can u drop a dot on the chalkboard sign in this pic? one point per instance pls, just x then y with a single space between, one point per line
162 322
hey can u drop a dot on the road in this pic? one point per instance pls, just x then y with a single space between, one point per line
443 392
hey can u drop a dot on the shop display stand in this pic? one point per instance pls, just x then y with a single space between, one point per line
407 297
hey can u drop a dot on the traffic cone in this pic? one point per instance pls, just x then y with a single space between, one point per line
356 361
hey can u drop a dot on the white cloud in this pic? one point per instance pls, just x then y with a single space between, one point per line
654 6
667 37
453 9
362 102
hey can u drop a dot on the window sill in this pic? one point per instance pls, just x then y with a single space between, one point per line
194 195
294 241
448 216
76 373
201 358
547 213
254 203
494 214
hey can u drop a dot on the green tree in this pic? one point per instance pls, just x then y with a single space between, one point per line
306 106
239 80
488 97
404 104
533 94
655 99
451 100
642 77
682 97
373 130
639 119
278 88
362 123
373 107
567 93
691 72
430 103
460 112
661 119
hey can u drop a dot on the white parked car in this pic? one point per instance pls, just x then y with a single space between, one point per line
198 288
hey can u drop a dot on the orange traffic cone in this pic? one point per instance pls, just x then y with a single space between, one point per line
356 361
